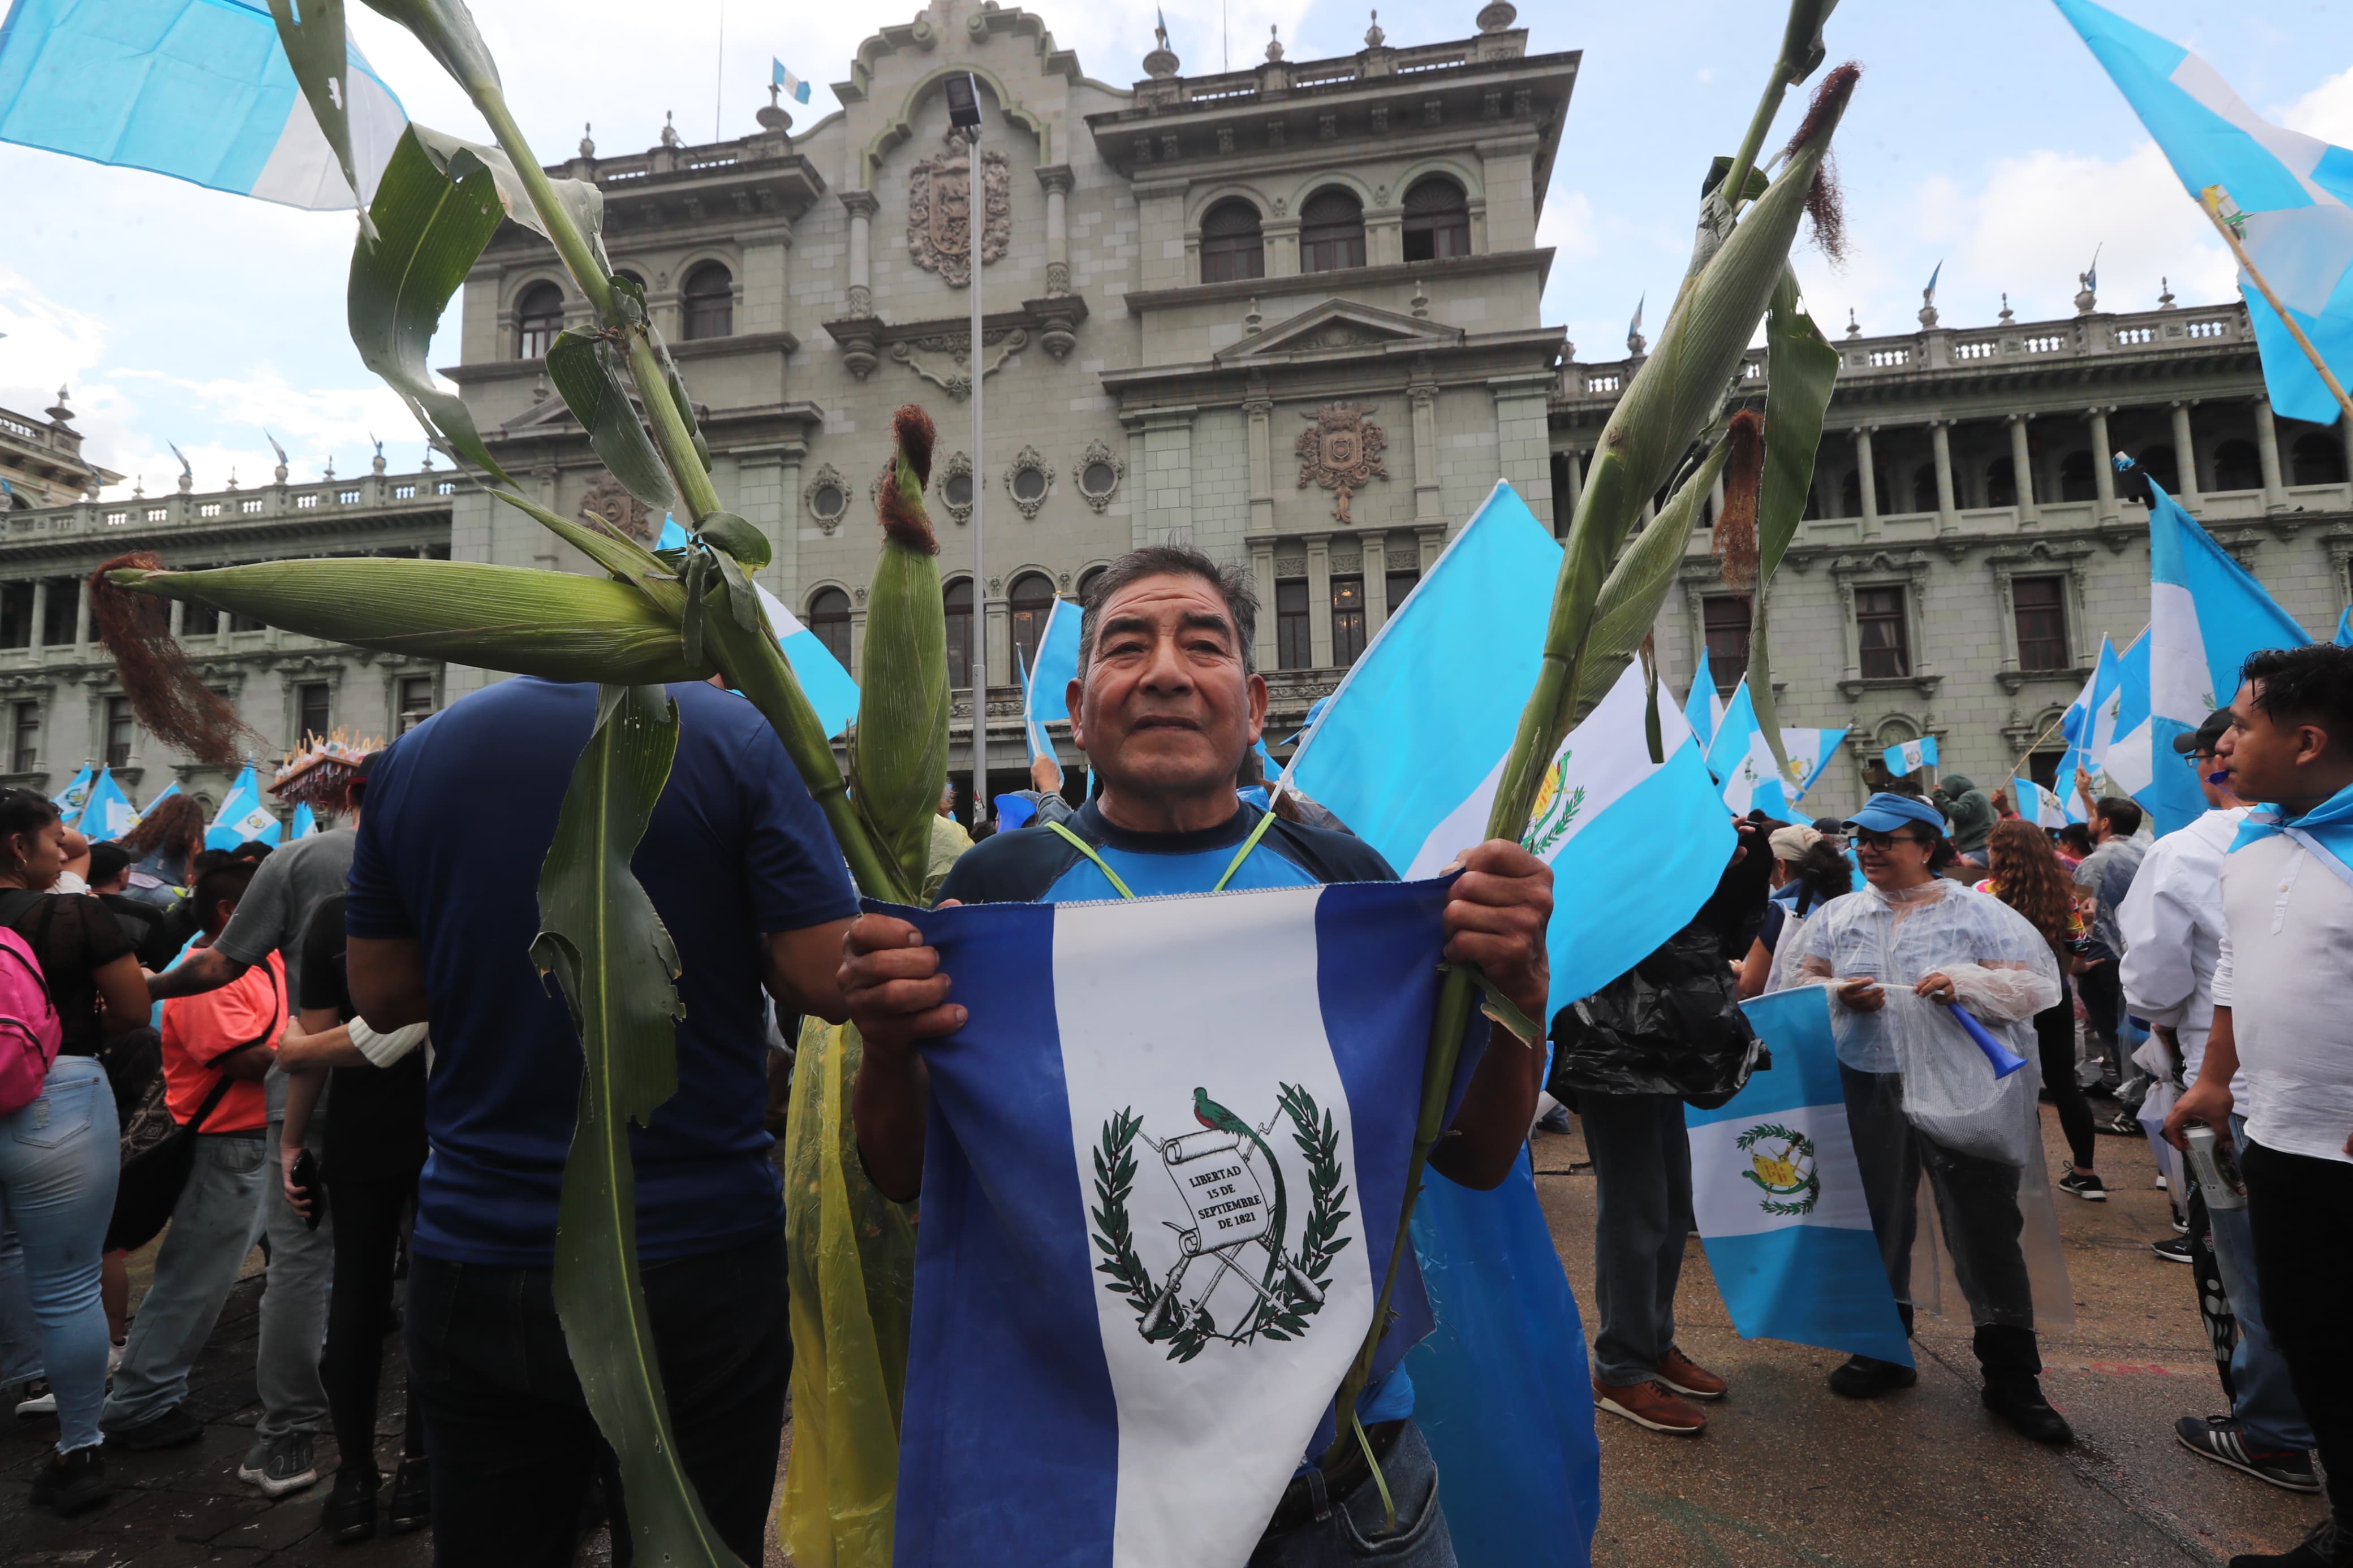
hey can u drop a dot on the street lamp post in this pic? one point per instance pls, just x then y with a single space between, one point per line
964 112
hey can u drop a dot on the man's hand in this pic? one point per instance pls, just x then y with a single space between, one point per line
295 1200
2207 1100
894 987
1495 920
1860 994
1936 988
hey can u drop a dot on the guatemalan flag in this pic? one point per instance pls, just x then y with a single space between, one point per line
2128 764
2089 724
242 816
1779 1197
1046 686
1910 756
1162 1176
1704 707
1810 752
2040 806
198 89
107 813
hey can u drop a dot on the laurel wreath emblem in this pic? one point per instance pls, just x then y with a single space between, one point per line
1554 809
1797 1195
1188 1330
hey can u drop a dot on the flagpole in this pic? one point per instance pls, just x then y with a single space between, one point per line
2036 741
976 204
2212 199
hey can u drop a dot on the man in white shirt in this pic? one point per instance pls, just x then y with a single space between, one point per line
2281 986
2172 927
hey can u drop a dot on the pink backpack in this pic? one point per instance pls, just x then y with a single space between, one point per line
31 1029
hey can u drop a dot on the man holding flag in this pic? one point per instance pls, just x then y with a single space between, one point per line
1166 704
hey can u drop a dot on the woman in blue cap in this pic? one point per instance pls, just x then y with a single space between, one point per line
1898 954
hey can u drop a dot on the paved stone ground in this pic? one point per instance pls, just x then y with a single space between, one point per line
1789 1476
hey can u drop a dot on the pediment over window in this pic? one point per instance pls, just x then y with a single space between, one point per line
1340 326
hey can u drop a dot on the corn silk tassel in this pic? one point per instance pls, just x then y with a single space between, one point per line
1675 396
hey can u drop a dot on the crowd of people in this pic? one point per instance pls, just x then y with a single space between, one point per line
256 1027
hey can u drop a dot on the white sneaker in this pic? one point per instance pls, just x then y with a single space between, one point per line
115 1359
40 1399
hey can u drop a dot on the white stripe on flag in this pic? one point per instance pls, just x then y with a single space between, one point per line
1731 1185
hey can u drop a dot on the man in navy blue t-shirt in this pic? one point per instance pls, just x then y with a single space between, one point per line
443 908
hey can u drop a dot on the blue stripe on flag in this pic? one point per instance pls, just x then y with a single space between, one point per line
1843 1303
1797 1077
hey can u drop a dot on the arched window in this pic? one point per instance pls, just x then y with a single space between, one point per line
2001 483
828 617
2319 461
2236 467
1436 220
2158 463
2075 480
1923 488
1087 581
710 299
1331 231
957 597
538 316
1031 601
1233 247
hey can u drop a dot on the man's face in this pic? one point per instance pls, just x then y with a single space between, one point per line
2260 754
1165 706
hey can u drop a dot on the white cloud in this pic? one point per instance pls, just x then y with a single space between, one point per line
2326 111
1567 225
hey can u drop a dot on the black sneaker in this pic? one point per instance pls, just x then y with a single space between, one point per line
2173 1248
350 1506
2123 1124
2084 1185
411 1506
2018 1399
72 1483
2326 1547
2224 1441
280 1465
1868 1378
174 1428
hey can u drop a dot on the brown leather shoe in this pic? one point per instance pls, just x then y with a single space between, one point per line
1650 1405
1687 1377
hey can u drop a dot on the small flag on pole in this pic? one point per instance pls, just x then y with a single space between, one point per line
306 822
794 87
1910 756
1704 709
109 813
1045 691
2345 628
2039 805
1809 752
75 795
242 816
1743 759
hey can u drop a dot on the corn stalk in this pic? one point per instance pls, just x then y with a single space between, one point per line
1678 392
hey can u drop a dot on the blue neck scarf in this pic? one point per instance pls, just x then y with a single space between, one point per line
2326 830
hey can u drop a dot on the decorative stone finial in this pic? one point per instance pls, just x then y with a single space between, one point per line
670 137
2165 300
58 412
2007 318
429 457
331 469
2087 298
1252 321
138 487
1495 17
378 464
1420 301
1161 62
1274 45
776 116
587 146
1854 326
1373 37
232 477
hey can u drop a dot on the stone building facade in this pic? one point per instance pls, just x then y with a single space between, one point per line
1966 547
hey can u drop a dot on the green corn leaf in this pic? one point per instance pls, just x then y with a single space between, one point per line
1628 606
586 372
625 558
606 948
1652 735
580 200
313 37
731 535
447 30
430 227
1803 368
1802 49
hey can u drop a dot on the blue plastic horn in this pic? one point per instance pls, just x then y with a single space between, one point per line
2005 1060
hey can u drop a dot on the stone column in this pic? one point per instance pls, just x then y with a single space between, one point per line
1940 437
1319 603
37 635
82 621
1376 569
2185 458
1056 179
2021 468
1260 412
1573 469
179 614
2267 449
1424 397
1000 639
1262 574
1866 481
862 206
2104 473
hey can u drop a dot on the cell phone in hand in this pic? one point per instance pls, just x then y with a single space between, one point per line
305 1177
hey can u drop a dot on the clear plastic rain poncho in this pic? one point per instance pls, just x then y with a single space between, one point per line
1932 1123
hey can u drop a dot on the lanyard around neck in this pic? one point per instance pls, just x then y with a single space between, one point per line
1265 821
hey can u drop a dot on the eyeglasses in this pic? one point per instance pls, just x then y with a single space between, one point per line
1884 841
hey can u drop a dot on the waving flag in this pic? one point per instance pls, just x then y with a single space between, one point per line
107 813
198 89
1412 745
2206 614
70 800
1152 1241
1778 1199
794 87
2089 724
242 816
1910 756
306 822
2295 191
2039 805
1743 760
1704 709
2345 628
1045 689
1809 752
2129 765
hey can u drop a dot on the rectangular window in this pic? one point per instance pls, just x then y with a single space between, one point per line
1881 633
16 615
416 702
1400 583
122 730
312 708
27 751
1291 648
1347 619
2042 612
58 612
1724 622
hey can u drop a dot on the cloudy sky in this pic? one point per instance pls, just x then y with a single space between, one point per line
1984 136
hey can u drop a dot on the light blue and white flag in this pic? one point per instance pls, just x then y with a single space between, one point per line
2089 724
1779 1198
198 89
306 822
160 796
826 684
794 87
2295 191
1704 709
1742 759
2130 766
70 800
242 816
1151 1240
1411 747
2345 628
2039 805
1045 691
2206 614
1910 756
1809 752
107 813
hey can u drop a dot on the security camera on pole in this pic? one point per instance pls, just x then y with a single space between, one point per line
964 114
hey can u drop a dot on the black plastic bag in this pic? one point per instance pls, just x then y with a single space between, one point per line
1671 1024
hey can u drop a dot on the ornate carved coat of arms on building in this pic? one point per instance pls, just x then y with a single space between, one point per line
610 500
1341 450
939 211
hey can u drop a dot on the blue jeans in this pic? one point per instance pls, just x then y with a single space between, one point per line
1355 1530
2266 1406
213 1227
59 1159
